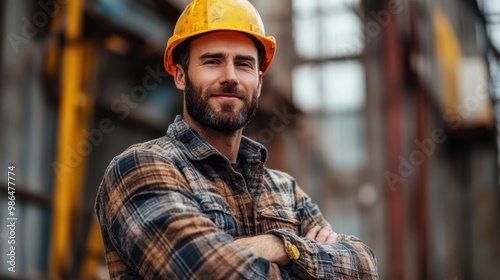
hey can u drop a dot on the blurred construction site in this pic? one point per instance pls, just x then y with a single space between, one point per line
385 111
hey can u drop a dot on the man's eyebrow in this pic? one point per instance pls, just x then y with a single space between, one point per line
246 57
212 55
222 55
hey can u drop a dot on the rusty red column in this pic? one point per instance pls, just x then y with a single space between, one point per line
395 92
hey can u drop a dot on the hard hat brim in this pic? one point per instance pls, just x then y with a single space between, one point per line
268 42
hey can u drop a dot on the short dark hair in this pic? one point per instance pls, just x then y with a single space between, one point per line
183 50
181 54
261 50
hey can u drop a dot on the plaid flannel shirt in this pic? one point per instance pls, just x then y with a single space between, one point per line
170 208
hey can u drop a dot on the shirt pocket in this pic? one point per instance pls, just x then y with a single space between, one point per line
278 217
216 209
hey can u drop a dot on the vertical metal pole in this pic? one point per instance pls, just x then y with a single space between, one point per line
74 114
466 261
422 186
422 171
396 197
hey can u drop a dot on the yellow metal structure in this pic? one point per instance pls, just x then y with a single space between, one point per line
75 116
94 252
463 107
53 50
202 16
448 53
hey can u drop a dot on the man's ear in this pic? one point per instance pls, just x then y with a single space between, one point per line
179 77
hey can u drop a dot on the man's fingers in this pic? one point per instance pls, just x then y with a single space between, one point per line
332 238
312 232
323 234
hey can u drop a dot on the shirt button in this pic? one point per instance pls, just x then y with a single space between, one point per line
295 252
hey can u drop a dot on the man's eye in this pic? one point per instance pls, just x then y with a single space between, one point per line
211 62
245 64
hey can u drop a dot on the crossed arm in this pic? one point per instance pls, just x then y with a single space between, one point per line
270 247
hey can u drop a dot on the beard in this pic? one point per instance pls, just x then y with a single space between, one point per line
227 120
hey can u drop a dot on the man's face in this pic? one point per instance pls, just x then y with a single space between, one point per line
223 83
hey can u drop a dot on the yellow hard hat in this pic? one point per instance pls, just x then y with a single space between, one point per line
202 16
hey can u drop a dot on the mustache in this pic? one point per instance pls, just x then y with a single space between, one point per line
229 89
232 89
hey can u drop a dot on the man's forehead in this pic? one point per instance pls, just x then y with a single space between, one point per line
224 41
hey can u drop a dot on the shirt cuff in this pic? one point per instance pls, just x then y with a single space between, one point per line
298 251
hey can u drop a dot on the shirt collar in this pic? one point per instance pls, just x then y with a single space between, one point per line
197 148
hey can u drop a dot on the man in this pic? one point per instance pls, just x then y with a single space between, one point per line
198 203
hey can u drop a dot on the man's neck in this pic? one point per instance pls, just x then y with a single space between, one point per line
227 144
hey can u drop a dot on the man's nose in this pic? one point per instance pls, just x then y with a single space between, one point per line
228 75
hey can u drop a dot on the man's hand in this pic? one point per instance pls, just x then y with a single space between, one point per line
322 235
267 246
